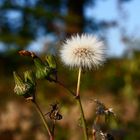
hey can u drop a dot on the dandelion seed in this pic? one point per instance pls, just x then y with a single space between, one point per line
84 51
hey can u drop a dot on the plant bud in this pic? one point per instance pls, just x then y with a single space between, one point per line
23 87
50 59
29 77
42 70
52 65
45 69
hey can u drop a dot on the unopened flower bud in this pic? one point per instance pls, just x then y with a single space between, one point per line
42 69
29 77
51 61
45 69
52 65
24 87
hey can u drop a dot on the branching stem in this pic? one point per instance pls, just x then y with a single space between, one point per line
77 95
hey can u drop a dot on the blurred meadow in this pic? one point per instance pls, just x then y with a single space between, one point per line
42 26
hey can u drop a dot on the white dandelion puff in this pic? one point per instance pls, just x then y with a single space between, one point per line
84 51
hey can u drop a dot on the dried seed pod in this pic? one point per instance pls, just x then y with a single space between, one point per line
27 53
54 112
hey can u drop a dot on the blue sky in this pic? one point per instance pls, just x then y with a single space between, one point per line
108 10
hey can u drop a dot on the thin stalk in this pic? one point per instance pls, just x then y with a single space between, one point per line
80 105
53 127
43 119
64 86
83 118
78 82
78 100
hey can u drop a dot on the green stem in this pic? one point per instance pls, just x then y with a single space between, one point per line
64 86
80 105
43 119
83 118
53 127
78 100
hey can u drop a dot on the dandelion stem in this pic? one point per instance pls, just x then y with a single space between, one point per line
83 118
78 82
78 101
43 119
80 104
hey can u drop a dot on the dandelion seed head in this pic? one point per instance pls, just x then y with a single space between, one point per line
84 51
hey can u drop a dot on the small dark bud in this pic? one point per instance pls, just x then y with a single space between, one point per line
54 112
27 53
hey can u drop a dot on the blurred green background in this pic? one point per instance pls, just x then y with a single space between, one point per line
41 26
